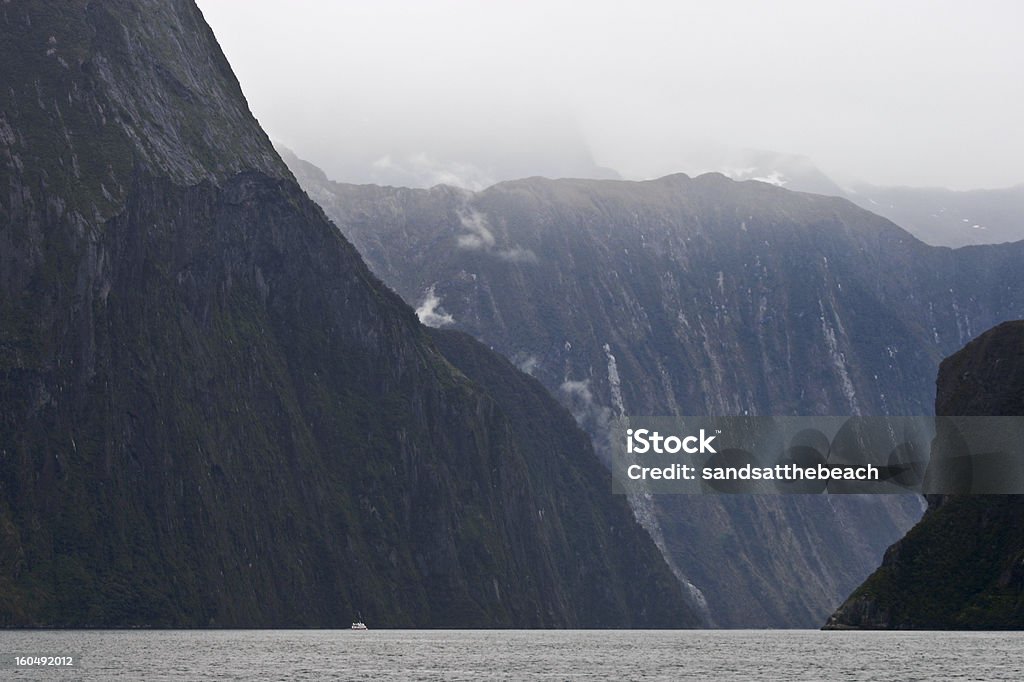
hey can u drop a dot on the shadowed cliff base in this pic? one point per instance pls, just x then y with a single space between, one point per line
213 414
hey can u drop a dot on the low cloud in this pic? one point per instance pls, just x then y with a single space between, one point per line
517 254
423 170
528 364
478 236
590 415
431 313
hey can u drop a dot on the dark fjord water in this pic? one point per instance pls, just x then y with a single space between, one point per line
555 655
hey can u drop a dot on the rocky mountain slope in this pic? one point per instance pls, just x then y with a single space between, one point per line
948 218
699 296
212 413
962 566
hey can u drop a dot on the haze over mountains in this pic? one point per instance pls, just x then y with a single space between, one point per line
935 215
893 94
854 98
947 218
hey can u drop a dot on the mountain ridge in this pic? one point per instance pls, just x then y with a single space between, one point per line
699 296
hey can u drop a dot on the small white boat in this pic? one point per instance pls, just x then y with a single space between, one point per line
359 625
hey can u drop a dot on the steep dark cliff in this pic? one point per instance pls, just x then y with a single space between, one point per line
962 566
699 296
211 413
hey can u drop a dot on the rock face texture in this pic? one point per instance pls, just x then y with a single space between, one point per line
212 413
699 296
962 566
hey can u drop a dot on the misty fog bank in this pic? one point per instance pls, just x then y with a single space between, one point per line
400 92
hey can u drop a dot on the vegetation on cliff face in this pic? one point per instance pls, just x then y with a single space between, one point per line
212 413
962 566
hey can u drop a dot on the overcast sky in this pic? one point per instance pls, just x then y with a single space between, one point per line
897 92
